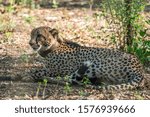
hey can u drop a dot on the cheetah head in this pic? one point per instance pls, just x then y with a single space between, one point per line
44 40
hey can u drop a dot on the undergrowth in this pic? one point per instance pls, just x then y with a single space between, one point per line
132 35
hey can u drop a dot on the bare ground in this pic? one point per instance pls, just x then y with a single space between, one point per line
17 58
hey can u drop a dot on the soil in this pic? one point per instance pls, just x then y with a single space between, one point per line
79 24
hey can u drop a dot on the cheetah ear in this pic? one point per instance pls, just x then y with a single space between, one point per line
54 32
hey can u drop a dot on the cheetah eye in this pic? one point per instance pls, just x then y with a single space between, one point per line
38 36
46 44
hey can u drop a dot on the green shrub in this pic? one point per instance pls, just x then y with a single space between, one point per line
127 13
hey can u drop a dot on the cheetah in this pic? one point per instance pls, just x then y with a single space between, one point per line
113 69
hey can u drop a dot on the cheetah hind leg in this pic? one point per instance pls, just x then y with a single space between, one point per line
86 71
82 74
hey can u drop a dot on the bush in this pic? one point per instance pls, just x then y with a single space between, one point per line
127 13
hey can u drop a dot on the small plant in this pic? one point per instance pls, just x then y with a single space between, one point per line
7 27
8 34
29 19
10 9
82 93
40 85
58 78
90 4
54 4
6 37
38 89
138 96
24 58
67 88
45 84
28 3
86 81
6 24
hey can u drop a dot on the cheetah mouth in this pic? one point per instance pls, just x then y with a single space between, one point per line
43 49
35 47
38 49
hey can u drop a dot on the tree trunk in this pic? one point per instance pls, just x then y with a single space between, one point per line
128 25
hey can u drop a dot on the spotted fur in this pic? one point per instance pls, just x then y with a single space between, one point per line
111 68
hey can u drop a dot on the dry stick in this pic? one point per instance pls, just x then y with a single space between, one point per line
111 13
128 35
38 89
56 91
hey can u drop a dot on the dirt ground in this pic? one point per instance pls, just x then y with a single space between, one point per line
17 57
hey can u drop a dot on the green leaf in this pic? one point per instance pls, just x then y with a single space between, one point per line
142 33
148 21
